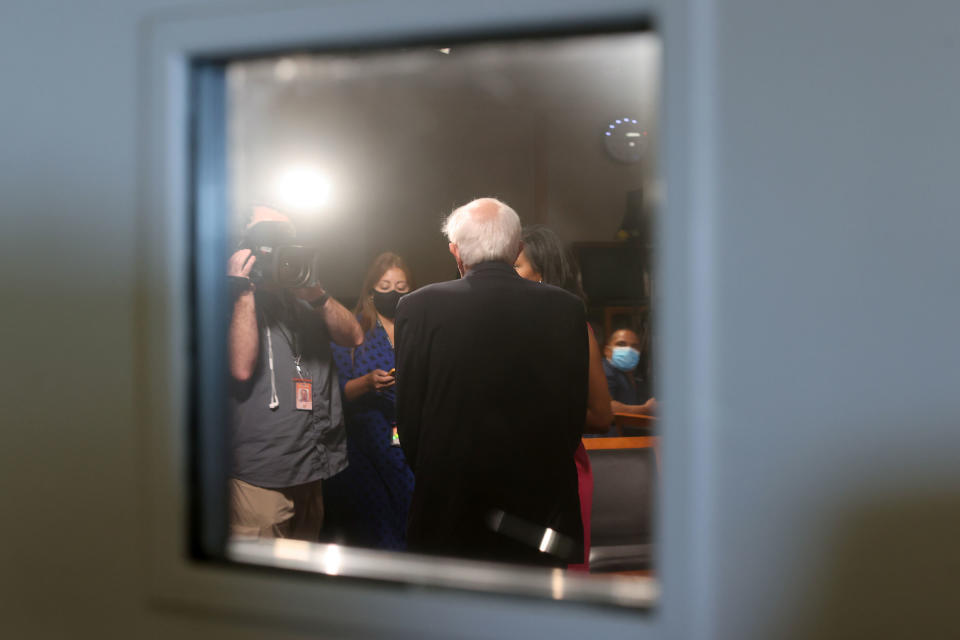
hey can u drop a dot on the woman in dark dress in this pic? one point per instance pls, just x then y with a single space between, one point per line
367 503
544 259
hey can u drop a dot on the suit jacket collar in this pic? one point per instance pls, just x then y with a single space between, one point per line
492 267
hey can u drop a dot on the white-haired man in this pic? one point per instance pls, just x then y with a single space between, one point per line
491 394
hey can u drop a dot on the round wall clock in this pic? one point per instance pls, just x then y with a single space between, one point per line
625 140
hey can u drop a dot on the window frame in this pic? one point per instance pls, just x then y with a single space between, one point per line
173 43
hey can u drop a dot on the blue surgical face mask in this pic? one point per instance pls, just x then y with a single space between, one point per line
625 358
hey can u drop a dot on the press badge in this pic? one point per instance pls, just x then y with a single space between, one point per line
303 393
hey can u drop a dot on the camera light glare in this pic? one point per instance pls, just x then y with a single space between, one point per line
332 560
302 188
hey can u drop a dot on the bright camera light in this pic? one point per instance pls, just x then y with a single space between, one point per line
302 188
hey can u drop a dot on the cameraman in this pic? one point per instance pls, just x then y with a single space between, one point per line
288 431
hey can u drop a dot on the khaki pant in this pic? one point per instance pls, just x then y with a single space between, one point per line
291 512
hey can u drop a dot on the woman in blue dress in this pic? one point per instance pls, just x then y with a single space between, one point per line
367 503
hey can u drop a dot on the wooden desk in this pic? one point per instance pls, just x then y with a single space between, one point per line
630 442
620 443
645 423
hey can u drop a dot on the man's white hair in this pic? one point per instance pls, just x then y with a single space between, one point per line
483 230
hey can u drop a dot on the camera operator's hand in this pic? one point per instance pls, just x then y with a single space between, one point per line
240 263
310 294
343 326
378 380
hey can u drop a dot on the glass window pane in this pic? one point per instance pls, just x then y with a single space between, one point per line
322 184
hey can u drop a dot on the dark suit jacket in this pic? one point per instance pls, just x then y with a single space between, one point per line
491 400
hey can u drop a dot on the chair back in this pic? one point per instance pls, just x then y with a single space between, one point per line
624 478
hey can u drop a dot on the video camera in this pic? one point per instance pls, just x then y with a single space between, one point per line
279 259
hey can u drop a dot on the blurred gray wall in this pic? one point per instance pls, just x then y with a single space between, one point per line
811 360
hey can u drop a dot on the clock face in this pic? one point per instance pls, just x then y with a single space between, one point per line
625 140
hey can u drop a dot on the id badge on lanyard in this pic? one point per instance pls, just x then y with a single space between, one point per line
302 385
303 393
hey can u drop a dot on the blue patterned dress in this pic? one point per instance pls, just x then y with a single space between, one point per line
367 503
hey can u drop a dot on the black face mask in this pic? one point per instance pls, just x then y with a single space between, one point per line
386 302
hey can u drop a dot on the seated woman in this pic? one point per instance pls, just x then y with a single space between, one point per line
544 259
621 357
367 503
